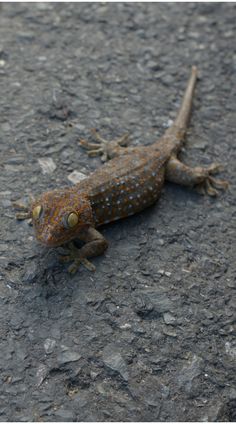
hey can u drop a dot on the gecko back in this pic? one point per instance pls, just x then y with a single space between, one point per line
126 184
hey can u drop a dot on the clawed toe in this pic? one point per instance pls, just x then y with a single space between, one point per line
205 188
88 265
211 186
88 145
96 149
24 211
123 140
72 255
95 152
73 268
93 149
21 216
219 184
103 147
210 190
214 168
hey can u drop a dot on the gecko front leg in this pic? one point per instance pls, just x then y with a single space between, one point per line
23 210
95 245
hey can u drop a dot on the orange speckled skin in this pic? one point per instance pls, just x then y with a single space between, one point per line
122 187
131 181
51 228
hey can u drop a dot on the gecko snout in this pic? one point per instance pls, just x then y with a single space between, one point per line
48 238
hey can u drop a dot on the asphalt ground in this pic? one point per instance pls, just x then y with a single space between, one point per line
150 336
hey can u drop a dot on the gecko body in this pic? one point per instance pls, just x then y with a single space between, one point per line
129 182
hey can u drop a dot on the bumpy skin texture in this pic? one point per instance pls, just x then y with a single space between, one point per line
51 227
131 181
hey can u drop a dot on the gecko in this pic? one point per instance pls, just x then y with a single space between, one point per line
131 180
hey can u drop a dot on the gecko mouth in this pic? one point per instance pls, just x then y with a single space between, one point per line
50 240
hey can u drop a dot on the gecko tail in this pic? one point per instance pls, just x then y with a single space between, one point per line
184 113
173 137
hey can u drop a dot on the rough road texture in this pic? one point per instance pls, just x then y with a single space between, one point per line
150 335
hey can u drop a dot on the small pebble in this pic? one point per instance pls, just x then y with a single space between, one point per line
75 177
49 345
169 318
68 356
47 165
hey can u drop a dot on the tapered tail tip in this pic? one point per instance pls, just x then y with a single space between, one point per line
194 70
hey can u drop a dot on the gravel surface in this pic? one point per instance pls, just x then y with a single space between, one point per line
149 336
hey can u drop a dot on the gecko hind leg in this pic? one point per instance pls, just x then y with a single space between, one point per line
104 148
198 177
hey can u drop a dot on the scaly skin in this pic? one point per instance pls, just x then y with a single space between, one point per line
131 181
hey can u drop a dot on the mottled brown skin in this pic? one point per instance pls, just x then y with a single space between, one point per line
131 181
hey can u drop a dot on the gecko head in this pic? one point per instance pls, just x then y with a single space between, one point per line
59 216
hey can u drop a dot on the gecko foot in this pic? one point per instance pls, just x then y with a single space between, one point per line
24 211
211 185
102 147
73 254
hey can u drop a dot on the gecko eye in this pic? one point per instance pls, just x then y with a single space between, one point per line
37 212
72 220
